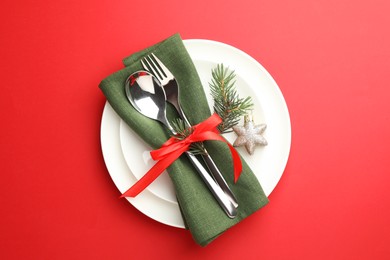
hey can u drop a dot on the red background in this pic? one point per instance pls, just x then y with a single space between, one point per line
331 60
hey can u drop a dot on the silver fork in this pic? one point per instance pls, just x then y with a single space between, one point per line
171 87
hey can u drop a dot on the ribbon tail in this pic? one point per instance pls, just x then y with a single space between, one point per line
148 178
152 174
237 164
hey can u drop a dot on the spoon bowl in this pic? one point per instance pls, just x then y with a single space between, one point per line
147 96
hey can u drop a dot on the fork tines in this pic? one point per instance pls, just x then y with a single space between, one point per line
155 66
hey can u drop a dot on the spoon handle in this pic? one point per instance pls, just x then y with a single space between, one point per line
217 175
223 200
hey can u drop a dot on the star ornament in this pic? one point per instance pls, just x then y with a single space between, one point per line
250 134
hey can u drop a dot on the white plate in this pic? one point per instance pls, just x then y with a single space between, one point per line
127 157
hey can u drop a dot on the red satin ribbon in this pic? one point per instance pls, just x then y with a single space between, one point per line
173 148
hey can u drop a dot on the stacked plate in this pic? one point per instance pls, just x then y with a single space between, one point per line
127 156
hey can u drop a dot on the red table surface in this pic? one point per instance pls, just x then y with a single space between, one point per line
331 60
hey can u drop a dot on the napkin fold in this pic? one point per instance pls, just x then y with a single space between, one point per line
202 214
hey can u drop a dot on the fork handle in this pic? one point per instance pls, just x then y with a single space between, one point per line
223 200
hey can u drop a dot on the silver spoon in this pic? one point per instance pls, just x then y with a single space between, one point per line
146 95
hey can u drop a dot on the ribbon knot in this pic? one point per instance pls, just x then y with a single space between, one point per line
174 148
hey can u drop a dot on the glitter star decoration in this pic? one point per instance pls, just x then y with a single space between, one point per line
250 134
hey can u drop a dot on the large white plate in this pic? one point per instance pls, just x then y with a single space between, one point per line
127 157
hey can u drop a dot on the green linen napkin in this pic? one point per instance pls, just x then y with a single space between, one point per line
202 214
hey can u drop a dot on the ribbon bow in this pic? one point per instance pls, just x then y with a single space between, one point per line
173 148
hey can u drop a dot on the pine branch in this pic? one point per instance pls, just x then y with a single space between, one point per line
227 103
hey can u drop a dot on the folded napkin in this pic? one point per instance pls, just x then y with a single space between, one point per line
202 214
